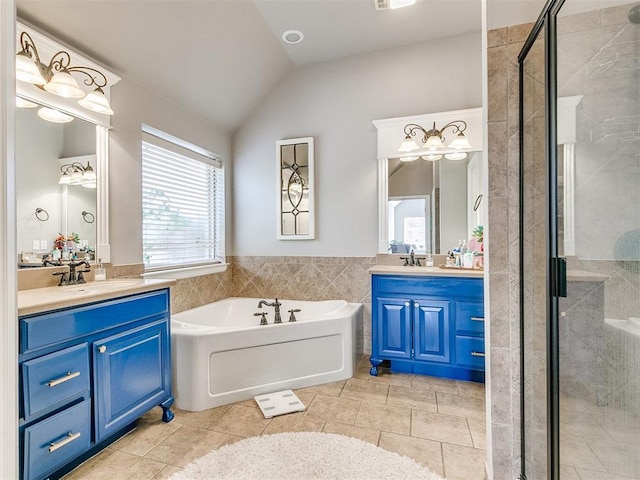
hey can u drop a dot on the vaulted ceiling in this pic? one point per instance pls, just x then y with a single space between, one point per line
220 58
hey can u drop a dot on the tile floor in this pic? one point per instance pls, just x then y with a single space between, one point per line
440 423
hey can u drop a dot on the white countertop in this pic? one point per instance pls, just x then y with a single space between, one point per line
425 271
39 300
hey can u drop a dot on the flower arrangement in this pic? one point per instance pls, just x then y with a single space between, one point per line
60 240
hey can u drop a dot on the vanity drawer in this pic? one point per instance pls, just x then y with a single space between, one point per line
470 317
52 380
470 352
51 443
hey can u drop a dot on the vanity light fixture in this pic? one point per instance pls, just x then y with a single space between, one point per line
53 115
77 174
434 139
56 77
22 103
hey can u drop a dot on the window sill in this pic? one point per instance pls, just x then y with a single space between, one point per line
186 272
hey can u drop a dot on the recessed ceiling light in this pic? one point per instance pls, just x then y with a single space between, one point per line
292 36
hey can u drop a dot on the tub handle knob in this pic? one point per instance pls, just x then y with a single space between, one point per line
292 316
263 319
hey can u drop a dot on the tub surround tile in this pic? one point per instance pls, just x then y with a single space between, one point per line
426 452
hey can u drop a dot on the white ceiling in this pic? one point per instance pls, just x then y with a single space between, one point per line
220 58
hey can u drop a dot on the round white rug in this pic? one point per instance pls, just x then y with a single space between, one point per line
302 456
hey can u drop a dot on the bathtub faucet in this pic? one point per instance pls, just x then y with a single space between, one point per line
276 305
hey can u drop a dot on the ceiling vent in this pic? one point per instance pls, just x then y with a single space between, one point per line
392 4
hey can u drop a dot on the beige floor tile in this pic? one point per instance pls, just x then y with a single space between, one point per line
329 408
294 422
231 439
186 445
145 437
460 405
201 419
365 391
463 463
418 399
425 452
384 377
385 417
440 427
242 421
367 434
568 473
575 452
306 397
478 432
471 389
595 475
333 389
84 469
434 383
617 457
123 466
166 472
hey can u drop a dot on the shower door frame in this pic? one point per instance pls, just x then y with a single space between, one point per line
555 265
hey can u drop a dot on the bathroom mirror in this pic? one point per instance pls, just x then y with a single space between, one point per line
429 205
295 167
46 209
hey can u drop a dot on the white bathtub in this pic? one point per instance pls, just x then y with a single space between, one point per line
221 354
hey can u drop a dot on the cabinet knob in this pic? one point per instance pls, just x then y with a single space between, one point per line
406 304
102 348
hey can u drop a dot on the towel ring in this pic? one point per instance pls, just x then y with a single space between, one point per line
476 205
88 217
42 214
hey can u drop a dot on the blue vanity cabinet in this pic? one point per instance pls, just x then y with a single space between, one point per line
87 373
431 325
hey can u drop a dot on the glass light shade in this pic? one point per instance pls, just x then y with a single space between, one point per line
64 85
65 179
55 116
89 175
89 185
27 70
432 157
22 103
460 142
408 159
408 145
434 142
97 101
455 156
76 177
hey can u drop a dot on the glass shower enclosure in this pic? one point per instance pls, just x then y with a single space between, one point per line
580 242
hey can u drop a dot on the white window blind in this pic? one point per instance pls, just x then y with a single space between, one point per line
182 206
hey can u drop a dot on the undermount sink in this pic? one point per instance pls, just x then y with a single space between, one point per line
97 287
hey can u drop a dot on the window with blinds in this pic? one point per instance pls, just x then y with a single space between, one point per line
182 206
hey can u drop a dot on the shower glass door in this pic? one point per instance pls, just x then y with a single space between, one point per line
534 233
598 224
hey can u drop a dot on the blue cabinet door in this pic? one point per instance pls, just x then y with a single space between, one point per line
134 373
431 336
393 328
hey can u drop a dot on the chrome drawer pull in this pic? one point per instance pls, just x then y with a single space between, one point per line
477 354
66 378
70 438
477 319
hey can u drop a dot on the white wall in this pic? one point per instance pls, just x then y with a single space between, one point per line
335 102
134 106
453 204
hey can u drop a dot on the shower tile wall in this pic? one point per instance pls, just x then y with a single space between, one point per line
504 45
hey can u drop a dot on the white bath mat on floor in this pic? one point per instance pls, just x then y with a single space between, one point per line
279 403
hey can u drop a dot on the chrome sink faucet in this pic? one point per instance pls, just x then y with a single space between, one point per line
276 305
412 260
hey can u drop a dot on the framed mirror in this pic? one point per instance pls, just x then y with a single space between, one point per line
428 202
58 136
296 191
